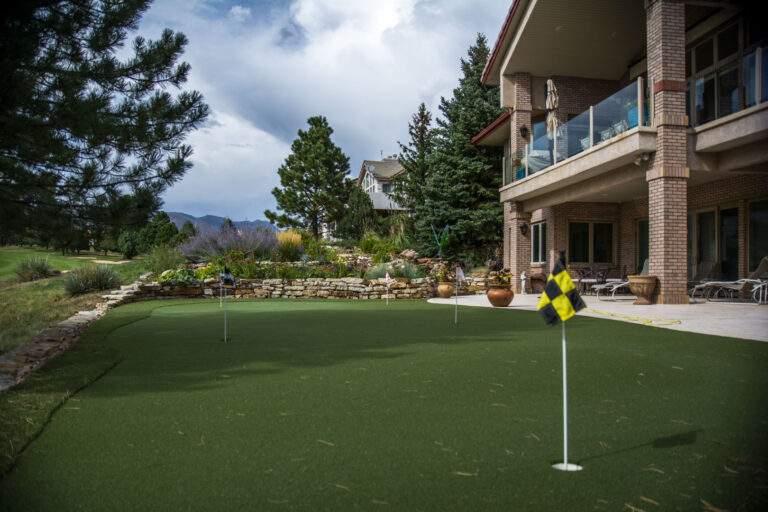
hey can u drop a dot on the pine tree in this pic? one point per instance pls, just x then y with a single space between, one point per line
313 181
408 187
227 225
462 188
359 216
81 126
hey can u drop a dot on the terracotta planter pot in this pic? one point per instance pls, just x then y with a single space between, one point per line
644 287
500 296
445 290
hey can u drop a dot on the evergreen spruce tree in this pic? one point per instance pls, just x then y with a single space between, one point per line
408 187
83 121
462 188
313 179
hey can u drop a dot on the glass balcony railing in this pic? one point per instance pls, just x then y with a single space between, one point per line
753 64
624 110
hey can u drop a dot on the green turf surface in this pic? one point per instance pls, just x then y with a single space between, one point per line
10 256
351 406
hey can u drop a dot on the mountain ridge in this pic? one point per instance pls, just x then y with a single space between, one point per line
215 222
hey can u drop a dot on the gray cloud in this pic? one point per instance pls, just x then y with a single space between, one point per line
265 67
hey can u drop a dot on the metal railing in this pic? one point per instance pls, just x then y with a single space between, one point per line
622 111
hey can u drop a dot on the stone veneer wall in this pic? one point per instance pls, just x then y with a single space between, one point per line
313 288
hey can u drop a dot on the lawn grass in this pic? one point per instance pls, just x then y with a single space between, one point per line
30 307
350 406
10 256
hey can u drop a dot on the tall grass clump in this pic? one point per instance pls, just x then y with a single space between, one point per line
31 269
91 278
256 244
289 247
407 270
163 258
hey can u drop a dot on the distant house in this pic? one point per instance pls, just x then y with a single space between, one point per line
375 179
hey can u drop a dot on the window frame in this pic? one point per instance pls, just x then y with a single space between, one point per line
718 66
539 226
591 243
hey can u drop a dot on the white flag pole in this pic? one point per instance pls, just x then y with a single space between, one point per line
225 314
387 292
565 466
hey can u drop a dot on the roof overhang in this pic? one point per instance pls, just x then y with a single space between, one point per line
496 133
584 38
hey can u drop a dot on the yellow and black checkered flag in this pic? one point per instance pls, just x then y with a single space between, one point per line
560 300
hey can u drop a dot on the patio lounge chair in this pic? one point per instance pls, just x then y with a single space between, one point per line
612 288
713 289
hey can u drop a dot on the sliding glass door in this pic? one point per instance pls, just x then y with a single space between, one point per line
729 243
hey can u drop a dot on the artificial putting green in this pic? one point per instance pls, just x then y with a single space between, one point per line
354 406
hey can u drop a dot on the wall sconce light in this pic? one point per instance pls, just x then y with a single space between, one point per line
524 229
524 132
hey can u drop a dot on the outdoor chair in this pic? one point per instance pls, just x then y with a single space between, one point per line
620 127
606 134
710 290
584 143
613 287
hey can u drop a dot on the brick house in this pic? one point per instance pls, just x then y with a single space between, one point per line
660 152
375 178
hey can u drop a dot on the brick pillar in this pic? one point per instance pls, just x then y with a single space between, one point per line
668 175
517 247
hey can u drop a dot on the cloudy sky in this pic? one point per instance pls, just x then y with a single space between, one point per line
265 66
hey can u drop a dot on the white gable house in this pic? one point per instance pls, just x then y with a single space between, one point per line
375 179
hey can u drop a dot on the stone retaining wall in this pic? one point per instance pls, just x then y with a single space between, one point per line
317 288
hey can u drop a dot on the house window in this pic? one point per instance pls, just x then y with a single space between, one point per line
386 188
369 183
591 242
721 73
539 242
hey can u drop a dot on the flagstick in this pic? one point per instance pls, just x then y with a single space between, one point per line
565 466
387 292
225 315
565 401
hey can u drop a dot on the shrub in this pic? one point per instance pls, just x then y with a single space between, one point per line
178 276
209 245
289 247
94 277
316 250
163 258
407 270
34 268
207 272
369 242
128 242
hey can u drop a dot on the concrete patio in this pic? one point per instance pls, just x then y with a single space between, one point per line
735 320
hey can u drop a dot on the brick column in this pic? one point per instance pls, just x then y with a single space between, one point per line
517 247
668 174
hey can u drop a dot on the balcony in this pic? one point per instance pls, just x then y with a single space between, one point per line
598 126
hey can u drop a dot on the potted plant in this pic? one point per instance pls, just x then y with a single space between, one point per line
445 286
499 291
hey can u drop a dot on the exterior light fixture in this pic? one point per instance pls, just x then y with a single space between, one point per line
524 229
524 132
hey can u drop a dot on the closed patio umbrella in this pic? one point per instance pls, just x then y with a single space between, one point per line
551 104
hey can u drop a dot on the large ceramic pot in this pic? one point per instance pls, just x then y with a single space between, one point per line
445 290
644 287
500 296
